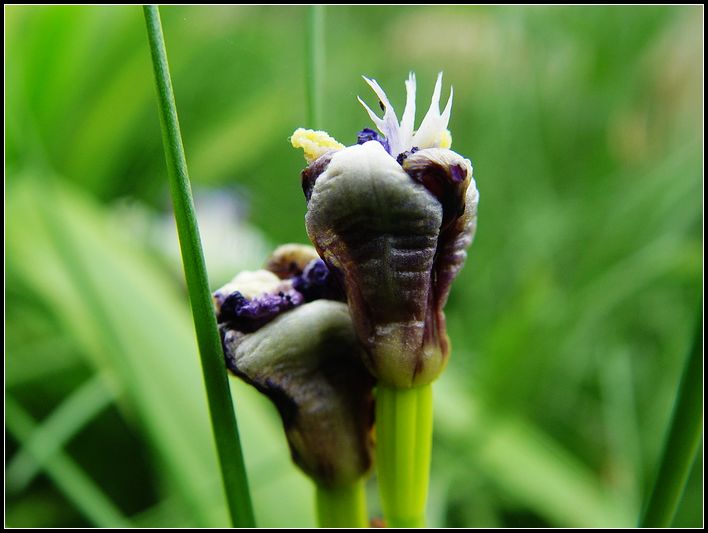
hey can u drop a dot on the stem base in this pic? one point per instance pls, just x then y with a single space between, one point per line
342 506
404 422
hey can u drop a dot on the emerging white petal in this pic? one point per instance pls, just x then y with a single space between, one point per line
408 118
433 132
433 129
389 125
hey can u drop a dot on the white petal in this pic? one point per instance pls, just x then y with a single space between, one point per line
379 92
434 125
408 118
435 100
446 112
390 120
379 123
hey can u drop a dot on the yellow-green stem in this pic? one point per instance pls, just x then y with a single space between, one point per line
342 506
404 429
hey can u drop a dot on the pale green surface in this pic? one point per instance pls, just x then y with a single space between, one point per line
569 324
404 425
342 507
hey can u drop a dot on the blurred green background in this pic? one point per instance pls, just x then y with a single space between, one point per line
569 324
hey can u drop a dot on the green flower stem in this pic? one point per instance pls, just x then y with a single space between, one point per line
404 429
682 441
342 506
314 65
221 407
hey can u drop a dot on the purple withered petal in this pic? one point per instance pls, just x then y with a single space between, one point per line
404 155
317 282
249 315
367 134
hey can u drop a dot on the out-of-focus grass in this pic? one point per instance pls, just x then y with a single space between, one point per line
569 323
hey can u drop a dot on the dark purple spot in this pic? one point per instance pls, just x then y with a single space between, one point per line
458 173
367 134
317 282
317 272
250 315
403 155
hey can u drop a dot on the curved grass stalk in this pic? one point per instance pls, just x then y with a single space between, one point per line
69 478
221 408
48 438
682 441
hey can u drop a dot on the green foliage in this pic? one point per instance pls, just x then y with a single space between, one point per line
569 324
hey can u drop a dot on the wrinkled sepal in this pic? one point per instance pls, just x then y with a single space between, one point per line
307 362
396 236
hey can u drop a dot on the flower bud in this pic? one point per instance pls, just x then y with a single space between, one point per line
307 362
393 220
305 357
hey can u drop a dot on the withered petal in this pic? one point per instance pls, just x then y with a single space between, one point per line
445 174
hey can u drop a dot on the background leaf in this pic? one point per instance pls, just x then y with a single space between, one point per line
569 323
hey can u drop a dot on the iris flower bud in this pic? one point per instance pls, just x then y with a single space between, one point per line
392 218
281 336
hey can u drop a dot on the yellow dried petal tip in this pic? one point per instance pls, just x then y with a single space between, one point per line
446 140
314 143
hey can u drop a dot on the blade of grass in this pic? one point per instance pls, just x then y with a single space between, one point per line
69 478
682 441
524 462
124 342
221 409
79 408
314 65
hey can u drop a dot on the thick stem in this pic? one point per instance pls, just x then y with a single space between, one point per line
404 429
221 407
342 506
